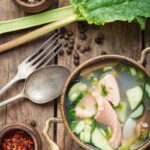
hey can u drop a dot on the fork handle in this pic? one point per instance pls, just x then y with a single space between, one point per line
9 84
10 100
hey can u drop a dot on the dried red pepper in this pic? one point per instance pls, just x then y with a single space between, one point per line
17 140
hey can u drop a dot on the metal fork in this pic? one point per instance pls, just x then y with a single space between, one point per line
40 58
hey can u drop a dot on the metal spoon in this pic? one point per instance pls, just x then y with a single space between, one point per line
43 85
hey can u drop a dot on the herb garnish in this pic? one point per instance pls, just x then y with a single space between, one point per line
104 91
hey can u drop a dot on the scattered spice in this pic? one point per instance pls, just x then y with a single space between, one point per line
82 50
76 55
87 48
78 46
83 36
17 140
83 27
76 62
31 1
33 123
63 30
69 51
61 36
103 53
71 41
66 37
70 46
61 52
70 33
82 30
65 44
99 39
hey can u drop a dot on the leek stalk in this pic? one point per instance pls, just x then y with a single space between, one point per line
35 20
38 32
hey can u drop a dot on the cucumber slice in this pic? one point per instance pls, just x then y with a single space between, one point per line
122 111
123 148
87 133
133 71
135 96
81 135
129 135
137 112
147 89
100 141
107 132
79 127
109 68
76 90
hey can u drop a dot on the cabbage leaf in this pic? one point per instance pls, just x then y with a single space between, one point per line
99 12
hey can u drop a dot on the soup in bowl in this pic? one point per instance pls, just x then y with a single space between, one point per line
105 104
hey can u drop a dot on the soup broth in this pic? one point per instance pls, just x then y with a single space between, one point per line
108 108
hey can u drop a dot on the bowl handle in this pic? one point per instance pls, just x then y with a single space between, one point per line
143 56
52 145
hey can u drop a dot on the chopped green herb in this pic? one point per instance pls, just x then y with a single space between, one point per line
83 107
78 99
123 67
96 106
104 91
140 74
92 79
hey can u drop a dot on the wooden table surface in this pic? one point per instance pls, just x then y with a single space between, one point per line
119 38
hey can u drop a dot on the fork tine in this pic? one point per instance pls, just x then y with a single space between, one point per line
53 50
46 48
38 50
53 56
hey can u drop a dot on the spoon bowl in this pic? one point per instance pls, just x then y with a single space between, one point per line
46 84
42 86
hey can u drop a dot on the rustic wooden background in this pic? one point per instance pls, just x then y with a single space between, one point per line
120 38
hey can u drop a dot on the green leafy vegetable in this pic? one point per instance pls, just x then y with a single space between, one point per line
98 12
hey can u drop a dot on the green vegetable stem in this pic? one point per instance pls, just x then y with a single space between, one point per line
98 12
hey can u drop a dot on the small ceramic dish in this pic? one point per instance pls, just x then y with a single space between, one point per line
39 6
8 130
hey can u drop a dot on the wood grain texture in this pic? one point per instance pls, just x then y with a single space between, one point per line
23 111
119 38
147 44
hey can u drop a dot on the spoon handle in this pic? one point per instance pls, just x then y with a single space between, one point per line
10 100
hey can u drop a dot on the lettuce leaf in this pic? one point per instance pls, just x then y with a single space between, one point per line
99 12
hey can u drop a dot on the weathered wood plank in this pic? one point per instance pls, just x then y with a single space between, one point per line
6 13
23 111
147 44
119 38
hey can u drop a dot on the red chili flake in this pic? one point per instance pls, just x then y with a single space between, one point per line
17 140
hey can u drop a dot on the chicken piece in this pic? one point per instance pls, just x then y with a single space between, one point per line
86 108
113 94
99 98
107 116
